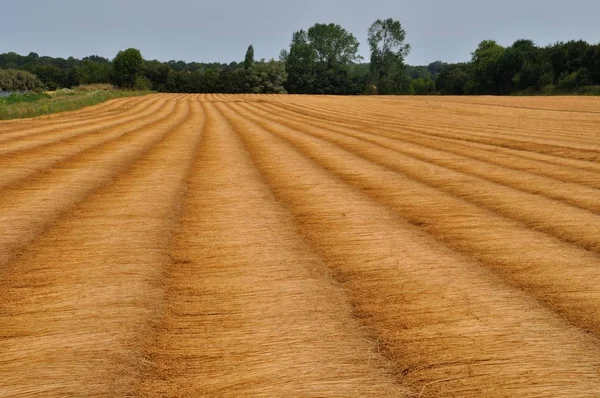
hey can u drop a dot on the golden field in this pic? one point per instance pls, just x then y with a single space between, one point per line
302 246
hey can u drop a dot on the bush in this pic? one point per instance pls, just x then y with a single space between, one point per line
19 80
549 89
589 90
141 84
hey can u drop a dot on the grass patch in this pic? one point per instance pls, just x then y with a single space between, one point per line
26 105
19 98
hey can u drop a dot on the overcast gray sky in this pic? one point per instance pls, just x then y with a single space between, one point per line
203 31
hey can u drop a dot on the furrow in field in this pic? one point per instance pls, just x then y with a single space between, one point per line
534 161
571 224
564 149
24 163
29 207
250 311
525 125
549 125
55 131
89 111
453 328
566 170
526 258
77 306
570 104
574 194
588 172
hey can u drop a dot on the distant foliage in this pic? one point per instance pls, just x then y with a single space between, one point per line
422 86
325 60
57 73
321 61
267 77
524 68
18 80
157 75
454 79
94 72
388 51
128 67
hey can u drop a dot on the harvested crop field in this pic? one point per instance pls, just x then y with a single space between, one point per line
298 246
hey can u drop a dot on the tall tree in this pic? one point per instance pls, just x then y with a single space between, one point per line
128 66
249 59
319 60
488 67
521 67
333 45
300 64
388 51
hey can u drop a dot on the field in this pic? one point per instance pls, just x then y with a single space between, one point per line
298 246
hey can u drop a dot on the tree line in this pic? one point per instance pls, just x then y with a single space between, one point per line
325 59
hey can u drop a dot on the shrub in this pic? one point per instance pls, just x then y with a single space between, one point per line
141 84
549 89
19 80
589 90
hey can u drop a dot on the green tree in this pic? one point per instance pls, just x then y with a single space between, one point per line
521 66
453 79
157 74
249 58
267 77
592 63
128 67
488 67
51 76
422 86
388 51
333 45
435 68
416 72
300 64
93 71
319 60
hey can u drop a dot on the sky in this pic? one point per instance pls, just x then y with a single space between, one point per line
221 30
